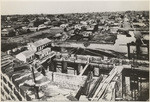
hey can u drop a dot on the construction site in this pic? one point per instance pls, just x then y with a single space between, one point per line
99 56
56 74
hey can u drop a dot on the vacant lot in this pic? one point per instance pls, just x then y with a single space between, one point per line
105 38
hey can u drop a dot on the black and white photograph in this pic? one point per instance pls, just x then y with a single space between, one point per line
71 50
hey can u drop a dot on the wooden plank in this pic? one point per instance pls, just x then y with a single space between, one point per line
103 86
84 70
100 86
109 94
84 88
109 90
88 83
118 69
94 88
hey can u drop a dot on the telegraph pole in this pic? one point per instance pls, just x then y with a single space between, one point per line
35 87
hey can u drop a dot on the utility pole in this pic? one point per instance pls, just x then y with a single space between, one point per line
35 87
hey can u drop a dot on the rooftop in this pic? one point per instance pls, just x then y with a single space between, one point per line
41 42
27 53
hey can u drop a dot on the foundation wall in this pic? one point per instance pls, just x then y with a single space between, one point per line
69 81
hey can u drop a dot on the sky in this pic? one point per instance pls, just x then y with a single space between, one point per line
55 7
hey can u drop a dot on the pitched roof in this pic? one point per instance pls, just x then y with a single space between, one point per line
41 42
27 53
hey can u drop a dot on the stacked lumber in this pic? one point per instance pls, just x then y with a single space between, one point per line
100 88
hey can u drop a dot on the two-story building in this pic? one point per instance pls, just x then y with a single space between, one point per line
39 45
36 48
43 53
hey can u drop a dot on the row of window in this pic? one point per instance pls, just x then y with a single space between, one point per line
42 47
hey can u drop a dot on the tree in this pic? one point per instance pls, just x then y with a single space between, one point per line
14 19
26 20
95 28
86 44
38 22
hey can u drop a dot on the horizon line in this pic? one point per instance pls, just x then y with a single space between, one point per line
69 12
